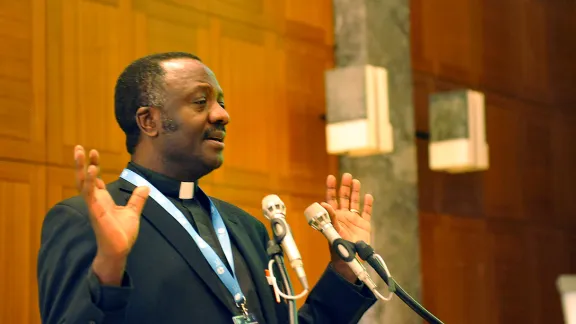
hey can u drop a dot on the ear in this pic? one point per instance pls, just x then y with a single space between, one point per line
148 120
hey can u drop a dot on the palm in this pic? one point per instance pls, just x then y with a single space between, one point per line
352 227
116 227
117 224
348 221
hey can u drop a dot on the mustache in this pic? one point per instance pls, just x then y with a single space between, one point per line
214 130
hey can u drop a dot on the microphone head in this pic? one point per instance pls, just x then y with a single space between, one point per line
317 216
273 207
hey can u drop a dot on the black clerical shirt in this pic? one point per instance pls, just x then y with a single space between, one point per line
197 211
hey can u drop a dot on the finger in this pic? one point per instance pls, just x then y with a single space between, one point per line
345 187
94 159
100 183
80 161
332 214
138 198
90 182
367 211
355 196
331 197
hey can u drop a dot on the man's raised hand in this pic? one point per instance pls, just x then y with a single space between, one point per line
115 227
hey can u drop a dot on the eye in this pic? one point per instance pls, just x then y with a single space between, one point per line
200 101
222 104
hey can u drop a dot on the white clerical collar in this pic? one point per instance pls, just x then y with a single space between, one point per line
186 190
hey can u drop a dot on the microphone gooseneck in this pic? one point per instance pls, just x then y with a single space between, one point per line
366 253
275 253
319 219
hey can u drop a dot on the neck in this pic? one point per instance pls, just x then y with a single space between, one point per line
171 169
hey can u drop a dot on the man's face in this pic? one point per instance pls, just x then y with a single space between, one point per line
193 116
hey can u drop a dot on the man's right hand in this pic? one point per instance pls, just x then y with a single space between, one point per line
116 227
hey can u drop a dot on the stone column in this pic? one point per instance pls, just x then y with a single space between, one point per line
377 32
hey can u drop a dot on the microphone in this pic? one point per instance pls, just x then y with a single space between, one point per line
318 218
275 210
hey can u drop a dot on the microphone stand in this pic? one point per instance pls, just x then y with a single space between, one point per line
275 251
366 253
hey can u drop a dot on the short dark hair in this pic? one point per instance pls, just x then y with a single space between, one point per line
141 85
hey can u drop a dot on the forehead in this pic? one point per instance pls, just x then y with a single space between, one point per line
186 74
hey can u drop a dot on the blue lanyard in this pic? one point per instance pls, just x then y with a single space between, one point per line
229 280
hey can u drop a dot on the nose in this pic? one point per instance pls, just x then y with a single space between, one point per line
219 115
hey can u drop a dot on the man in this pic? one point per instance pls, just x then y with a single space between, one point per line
190 258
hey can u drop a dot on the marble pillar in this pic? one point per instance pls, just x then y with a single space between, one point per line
377 32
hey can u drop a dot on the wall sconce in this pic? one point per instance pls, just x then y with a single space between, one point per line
357 111
457 132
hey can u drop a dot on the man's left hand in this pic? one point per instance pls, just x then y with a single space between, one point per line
344 209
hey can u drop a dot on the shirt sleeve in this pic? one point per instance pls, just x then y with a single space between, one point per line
109 298
335 300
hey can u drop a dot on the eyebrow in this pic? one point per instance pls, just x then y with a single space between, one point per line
204 85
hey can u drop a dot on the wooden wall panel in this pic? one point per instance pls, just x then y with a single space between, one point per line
514 221
564 158
504 34
513 277
524 199
302 146
22 86
455 55
550 257
249 158
22 204
503 129
456 267
534 150
86 53
59 69
561 51
498 45
311 15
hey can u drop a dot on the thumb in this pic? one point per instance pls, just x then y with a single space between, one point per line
332 214
138 198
